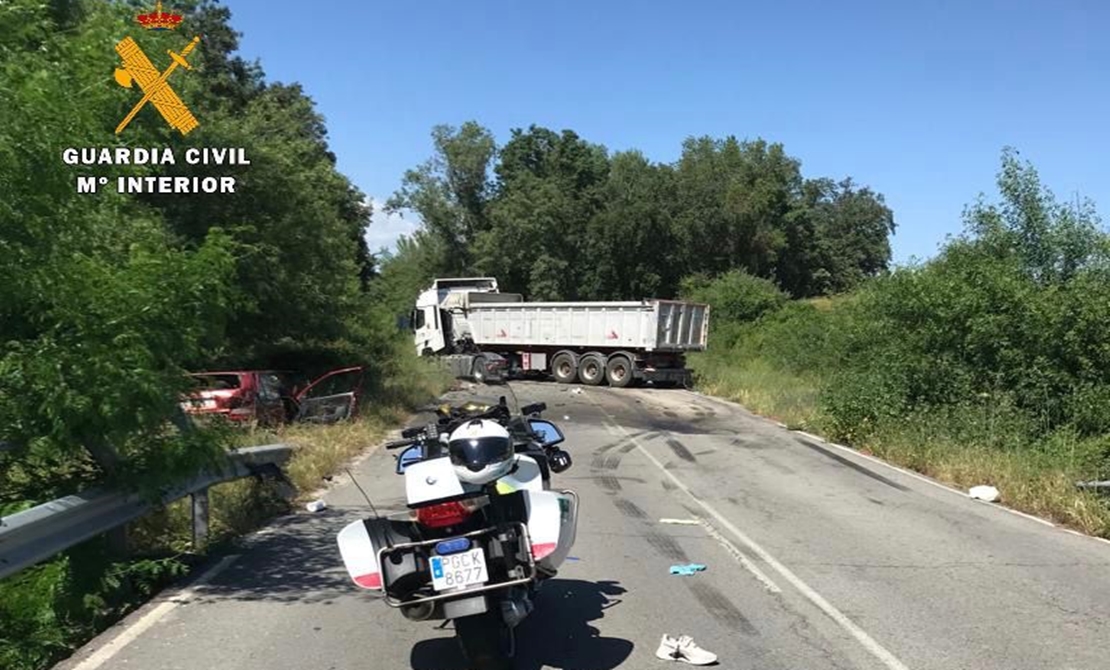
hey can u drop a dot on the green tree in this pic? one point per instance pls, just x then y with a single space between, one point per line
632 250
450 191
549 186
837 235
733 200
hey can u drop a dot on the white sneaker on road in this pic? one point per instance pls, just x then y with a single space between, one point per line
683 649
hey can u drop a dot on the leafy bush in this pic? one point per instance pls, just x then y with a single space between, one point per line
1010 310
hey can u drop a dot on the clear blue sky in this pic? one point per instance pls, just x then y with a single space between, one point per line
915 99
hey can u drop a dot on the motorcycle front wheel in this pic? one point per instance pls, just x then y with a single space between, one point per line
486 641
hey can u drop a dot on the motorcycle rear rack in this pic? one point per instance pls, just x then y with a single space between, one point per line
525 539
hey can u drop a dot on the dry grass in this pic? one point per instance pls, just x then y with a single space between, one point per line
1029 481
756 385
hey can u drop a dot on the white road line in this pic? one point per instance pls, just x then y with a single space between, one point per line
740 557
866 641
129 635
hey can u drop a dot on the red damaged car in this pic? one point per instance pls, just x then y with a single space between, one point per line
269 398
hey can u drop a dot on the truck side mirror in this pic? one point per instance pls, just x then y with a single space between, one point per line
404 322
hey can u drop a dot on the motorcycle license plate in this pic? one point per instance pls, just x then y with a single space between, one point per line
458 571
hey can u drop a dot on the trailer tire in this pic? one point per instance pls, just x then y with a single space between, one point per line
591 369
479 372
618 371
564 368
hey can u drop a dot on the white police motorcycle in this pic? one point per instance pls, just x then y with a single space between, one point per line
484 530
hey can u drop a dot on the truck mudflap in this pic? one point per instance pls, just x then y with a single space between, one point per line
553 526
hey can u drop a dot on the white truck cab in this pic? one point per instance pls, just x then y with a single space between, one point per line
431 322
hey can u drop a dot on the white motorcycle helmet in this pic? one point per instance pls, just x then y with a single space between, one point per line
481 451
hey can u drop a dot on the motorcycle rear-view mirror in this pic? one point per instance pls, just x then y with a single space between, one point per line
408 457
548 433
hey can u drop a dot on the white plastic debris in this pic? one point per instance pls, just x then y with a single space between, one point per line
316 506
681 522
576 390
987 493
566 418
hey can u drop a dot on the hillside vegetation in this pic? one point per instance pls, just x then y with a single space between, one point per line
989 364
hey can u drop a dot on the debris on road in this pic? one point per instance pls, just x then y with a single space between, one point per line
684 650
576 391
316 506
681 522
687 569
987 493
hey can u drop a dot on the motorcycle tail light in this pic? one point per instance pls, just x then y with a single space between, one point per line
446 514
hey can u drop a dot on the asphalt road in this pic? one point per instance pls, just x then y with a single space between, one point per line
817 558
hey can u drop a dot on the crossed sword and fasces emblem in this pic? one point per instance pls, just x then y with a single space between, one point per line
154 84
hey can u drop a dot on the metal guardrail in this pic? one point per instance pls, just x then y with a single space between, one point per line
1093 485
36 534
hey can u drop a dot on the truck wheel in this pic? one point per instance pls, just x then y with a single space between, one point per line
478 370
564 369
591 370
619 371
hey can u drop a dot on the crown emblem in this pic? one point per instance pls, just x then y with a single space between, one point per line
159 20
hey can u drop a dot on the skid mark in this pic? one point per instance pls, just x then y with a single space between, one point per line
606 459
851 464
667 546
775 465
720 607
680 450
747 443
608 482
629 508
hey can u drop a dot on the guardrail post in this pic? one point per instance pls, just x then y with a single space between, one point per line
119 541
200 520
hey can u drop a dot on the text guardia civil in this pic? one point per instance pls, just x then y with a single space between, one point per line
127 156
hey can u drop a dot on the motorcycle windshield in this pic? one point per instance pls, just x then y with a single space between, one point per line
487 394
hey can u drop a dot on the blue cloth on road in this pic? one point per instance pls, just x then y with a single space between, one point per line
687 569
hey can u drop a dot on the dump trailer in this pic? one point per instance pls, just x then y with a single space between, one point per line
483 332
